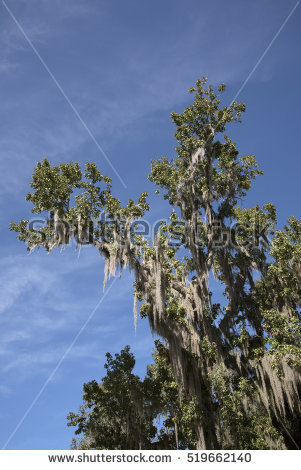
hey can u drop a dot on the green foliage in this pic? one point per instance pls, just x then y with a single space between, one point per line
116 413
179 412
279 295
244 424
73 200
229 177
125 412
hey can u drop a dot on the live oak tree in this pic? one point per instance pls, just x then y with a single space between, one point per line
238 359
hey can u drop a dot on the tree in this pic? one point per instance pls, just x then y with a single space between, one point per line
239 360
117 413
125 412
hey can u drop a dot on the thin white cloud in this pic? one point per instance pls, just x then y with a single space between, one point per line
17 277
40 310
4 390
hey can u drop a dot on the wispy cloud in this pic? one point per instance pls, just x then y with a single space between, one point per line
17 277
4 390
40 311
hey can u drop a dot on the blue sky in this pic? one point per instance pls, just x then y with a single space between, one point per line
124 65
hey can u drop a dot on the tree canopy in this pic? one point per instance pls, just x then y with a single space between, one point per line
237 360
